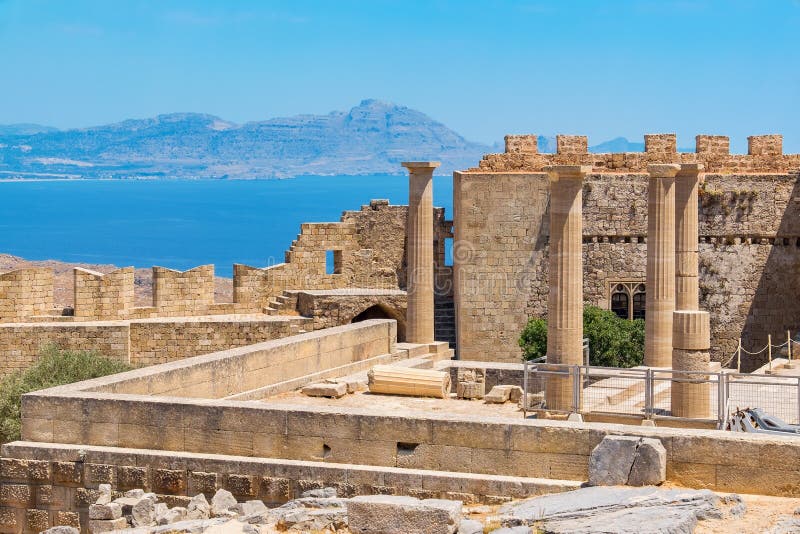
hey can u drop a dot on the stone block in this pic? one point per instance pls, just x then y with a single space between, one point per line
498 395
326 389
521 144
111 510
628 460
37 520
222 502
376 514
68 519
169 481
572 144
96 525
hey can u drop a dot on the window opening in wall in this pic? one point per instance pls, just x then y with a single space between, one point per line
448 251
333 262
627 299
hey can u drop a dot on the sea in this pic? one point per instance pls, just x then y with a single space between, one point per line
181 224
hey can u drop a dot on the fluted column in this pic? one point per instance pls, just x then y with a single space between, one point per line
419 233
687 294
660 300
565 299
692 340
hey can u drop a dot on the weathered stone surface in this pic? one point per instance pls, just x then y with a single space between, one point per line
97 525
172 515
105 494
470 526
62 530
143 513
134 494
635 461
307 520
320 493
221 502
198 508
512 530
374 514
658 519
786 525
595 503
326 389
498 395
111 510
250 508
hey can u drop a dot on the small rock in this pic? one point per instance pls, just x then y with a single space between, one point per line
325 389
512 530
221 502
107 525
250 508
515 394
105 494
498 395
470 526
111 510
143 513
738 507
172 515
304 520
631 460
198 508
134 494
62 530
320 493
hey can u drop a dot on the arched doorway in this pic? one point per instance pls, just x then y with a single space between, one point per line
379 311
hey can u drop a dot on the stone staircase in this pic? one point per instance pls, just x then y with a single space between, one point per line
284 304
445 320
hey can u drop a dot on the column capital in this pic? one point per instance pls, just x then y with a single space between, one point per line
558 172
688 170
663 170
420 166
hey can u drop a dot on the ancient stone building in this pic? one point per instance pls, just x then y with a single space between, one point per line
749 250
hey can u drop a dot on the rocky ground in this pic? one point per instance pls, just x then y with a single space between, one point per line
609 509
64 281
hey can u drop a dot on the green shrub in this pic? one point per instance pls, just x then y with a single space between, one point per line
613 342
54 367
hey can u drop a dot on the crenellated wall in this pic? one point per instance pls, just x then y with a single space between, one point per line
25 292
178 293
765 155
103 296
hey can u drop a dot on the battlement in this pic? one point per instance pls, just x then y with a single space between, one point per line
764 155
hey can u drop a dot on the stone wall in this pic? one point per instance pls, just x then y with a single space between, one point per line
103 296
21 343
178 293
749 254
765 155
25 293
143 342
340 307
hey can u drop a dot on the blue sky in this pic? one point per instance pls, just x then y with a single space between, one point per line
600 68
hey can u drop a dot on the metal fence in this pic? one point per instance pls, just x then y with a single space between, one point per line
649 393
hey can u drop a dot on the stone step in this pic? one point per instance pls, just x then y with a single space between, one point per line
414 349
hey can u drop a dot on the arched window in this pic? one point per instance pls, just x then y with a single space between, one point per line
620 303
639 298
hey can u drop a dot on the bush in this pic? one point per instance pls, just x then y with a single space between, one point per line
54 367
613 342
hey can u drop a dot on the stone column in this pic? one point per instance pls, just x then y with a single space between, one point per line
419 233
692 340
687 293
660 300
565 300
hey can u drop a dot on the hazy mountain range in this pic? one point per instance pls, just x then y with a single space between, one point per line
373 137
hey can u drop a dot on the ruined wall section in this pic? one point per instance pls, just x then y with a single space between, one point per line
25 293
103 296
178 293
749 254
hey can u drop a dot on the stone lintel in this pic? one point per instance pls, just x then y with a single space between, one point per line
558 172
690 169
414 166
663 170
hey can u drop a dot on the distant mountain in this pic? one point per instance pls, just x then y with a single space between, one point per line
373 137
24 129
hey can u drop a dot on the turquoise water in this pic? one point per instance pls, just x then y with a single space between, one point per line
182 223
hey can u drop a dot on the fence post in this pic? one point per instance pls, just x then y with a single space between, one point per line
576 389
798 401
739 356
789 344
722 401
769 350
524 391
648 393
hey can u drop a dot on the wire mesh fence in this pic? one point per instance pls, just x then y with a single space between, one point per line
648 393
